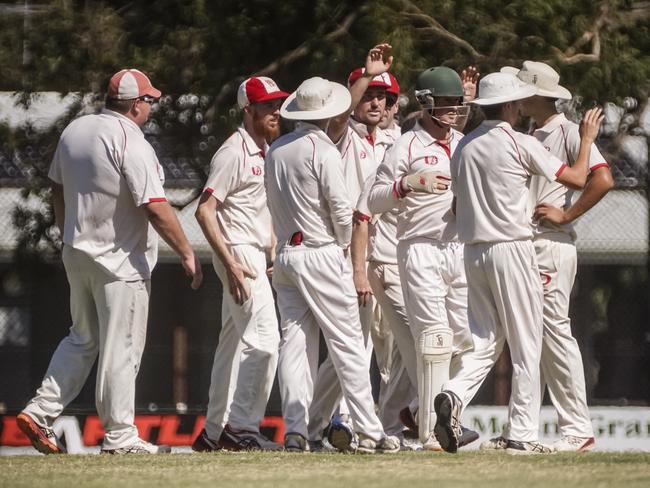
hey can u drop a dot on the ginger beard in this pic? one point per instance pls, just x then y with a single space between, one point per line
266 119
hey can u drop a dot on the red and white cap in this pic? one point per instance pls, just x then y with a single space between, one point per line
382 80
258 89
129 84
394 86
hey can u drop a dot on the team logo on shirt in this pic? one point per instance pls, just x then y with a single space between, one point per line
257 170
431 160
547 148
363 155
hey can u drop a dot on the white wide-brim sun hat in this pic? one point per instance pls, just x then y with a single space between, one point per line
316 99
540 75
500 87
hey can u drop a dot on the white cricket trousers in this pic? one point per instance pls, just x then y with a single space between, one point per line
109 317
315 290
505 304
247 353
562 368
401 386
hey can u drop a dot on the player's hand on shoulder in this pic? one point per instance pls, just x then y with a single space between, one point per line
545 212
590 124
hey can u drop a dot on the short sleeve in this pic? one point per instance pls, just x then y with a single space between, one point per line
537 160
223 177
571 134
143 174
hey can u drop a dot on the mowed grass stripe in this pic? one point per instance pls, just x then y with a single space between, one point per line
404 470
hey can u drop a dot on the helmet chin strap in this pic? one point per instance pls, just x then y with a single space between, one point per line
438 122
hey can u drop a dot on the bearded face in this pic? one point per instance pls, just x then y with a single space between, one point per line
266 119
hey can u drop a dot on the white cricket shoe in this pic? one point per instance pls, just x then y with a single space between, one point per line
139 447
388 444
570 443
527 447
432 444
494 444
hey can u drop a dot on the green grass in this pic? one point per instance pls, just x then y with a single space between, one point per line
404 470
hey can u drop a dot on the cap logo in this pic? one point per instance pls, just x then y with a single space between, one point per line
269 84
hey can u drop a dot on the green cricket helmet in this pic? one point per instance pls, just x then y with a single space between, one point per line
437 82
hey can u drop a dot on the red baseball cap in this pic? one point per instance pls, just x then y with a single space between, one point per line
394 86
382 80
258 89
128 84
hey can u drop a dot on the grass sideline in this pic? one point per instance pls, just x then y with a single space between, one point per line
255 469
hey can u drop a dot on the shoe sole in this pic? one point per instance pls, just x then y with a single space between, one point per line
519 452
443 430
35 436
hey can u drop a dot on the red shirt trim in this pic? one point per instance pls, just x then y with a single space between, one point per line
361 217
209 190
598 166
516 146
561 170
157 199
446 148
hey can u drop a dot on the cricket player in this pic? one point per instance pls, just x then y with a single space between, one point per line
235 219
363 146
429 255
554 240
491 170
312 218
388 123
107 188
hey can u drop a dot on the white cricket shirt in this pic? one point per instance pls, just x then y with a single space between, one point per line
419 214
560 137
108 171
236 180
305 189
361 154
490 172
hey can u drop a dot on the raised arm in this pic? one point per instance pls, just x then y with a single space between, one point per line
375 65
576 175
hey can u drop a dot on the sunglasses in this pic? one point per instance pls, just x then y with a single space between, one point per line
147 99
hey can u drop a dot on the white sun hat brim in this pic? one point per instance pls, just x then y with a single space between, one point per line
520 92
338 102
558 91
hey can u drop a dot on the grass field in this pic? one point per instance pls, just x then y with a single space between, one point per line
404 470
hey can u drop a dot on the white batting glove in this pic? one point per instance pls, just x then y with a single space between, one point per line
427 181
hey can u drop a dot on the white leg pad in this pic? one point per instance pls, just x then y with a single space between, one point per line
434 347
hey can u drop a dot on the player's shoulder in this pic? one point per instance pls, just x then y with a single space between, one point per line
405 141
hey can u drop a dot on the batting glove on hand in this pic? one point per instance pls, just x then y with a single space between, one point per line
427 181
